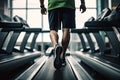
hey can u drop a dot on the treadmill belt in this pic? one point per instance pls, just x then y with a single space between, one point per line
48 72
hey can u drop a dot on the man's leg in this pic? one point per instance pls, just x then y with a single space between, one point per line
57 49
65 41
54 37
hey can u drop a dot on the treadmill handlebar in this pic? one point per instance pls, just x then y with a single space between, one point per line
12 29
33 29
105 24
10 25
91 29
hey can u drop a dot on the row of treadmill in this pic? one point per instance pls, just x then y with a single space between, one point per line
97 59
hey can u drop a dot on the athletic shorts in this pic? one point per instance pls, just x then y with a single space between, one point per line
61 16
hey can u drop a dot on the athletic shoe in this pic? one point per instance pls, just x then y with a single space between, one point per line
57 61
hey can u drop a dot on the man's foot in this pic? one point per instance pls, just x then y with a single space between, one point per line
57 61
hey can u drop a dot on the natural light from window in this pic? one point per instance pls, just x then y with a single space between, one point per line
30 11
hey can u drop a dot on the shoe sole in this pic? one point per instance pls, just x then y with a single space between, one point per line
57 61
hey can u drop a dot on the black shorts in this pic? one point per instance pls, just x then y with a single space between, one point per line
64 16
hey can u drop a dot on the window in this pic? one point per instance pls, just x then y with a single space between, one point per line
30 11
83 17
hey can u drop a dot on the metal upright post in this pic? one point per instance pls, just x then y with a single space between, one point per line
42 44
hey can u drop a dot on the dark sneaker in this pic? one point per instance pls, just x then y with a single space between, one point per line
63 62
57 61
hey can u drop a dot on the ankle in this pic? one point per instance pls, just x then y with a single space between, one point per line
55 45
62 56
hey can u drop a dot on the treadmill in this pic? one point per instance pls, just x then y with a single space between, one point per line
43 69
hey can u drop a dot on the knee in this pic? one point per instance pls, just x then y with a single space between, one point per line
53 33
66 31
